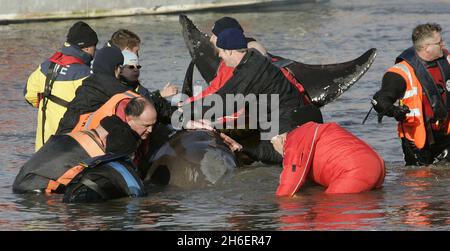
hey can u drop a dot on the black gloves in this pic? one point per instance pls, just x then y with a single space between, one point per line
398 112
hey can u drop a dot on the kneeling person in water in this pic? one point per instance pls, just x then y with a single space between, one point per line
50 169
330 156
327 154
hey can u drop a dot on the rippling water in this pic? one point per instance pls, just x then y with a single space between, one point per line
314 32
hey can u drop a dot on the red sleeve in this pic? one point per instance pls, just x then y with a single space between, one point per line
224 73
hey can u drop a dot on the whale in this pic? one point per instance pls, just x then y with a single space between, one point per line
190 159
324 83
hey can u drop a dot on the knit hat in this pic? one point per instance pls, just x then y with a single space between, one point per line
121 138
82 35
225 23
106 59
231 39
129 58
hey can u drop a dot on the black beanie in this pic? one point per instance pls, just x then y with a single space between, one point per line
82 35
106 59
302 116
121 138
225 23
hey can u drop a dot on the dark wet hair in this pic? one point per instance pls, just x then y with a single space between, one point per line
125 38
422 32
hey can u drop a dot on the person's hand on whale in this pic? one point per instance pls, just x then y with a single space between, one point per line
200 124
231 143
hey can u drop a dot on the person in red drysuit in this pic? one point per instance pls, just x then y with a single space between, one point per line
326 153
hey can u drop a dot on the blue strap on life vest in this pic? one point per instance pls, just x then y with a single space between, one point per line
134 187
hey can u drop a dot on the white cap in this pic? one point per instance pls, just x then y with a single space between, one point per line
129 58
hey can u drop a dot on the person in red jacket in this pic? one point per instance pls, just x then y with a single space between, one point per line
331 157
225 72
326 153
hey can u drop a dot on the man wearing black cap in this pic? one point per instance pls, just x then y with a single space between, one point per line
52 86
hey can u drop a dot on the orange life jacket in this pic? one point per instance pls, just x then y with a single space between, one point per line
91 120
413 127
91 144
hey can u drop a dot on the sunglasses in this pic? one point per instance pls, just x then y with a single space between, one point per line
132 67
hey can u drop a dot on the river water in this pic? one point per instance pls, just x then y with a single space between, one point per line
314 32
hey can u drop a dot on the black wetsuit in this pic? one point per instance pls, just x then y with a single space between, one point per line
107 176
59 154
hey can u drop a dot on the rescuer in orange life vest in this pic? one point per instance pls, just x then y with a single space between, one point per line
420 79
57 162
325 153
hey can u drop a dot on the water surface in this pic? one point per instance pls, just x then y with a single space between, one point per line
314 32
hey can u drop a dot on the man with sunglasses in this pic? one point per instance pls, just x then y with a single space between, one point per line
106 81
130 73
420 80
129 76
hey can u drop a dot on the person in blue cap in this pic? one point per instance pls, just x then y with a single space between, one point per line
229 22
108 79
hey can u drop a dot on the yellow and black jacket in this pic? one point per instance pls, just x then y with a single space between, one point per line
68 79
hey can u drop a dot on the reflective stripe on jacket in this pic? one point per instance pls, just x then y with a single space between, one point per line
413 127
64 87
91 144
